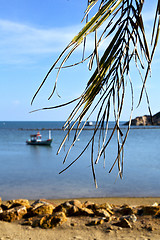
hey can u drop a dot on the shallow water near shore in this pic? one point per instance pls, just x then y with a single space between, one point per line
32 172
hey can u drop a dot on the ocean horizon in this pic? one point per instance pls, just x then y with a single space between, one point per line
32 172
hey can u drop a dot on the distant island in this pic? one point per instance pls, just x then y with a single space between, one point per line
146 120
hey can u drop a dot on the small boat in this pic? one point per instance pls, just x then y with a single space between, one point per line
89 123
36 139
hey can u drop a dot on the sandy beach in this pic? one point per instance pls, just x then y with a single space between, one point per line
76 228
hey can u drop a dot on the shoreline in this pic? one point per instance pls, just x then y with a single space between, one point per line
112 200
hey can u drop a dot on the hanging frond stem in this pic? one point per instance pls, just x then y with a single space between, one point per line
50 70
58 106
64 60
108 94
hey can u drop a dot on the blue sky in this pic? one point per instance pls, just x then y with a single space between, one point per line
33 33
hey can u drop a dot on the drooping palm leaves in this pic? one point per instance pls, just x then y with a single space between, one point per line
123 32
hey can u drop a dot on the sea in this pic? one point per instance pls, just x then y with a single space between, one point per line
32 172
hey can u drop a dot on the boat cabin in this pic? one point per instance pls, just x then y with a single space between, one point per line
36 137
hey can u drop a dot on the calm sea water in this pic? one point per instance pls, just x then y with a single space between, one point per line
33 171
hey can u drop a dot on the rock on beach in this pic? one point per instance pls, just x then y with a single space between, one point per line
44 214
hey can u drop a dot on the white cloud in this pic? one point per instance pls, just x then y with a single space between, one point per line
20 43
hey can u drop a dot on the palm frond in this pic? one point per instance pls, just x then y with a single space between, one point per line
119 24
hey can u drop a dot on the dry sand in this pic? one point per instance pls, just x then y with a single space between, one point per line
75 228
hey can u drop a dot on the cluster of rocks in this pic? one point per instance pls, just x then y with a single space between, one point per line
44 214
146 120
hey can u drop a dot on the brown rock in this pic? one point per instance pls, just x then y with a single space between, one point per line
67 208
53 220
105 206
76 203
41 209
125 210
28 221
150 210
72 211
42 202
15 203
157 214
60 208
85 212
60 215
90 205
102 213
97 207
124 223
36 205
130 218
35 222
13 214
72 208
1 210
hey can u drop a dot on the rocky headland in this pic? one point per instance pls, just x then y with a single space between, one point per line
146 120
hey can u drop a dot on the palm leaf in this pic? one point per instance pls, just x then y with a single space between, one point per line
122 22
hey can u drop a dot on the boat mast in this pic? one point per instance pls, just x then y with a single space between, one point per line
49 134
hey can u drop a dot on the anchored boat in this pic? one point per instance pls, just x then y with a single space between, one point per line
36 139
